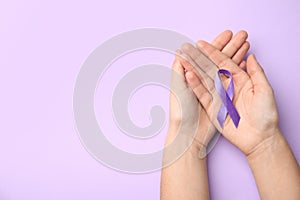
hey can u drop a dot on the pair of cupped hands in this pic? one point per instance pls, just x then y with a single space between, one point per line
195 103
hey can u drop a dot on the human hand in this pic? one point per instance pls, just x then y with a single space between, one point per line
190 115
187 177
253 98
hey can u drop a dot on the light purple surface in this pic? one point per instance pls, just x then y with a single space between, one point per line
44 43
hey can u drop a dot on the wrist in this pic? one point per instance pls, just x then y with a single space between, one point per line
188 139
270 146
275 169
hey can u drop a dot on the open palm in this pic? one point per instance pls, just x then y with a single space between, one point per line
253 98
190 115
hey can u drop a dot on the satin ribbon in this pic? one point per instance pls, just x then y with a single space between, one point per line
226 96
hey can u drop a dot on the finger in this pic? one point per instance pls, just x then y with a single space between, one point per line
243 65
220 59
189 65
178 81
235 43
240 54
197 58
208 100
222 40
176 66
203 95
240 77
257 75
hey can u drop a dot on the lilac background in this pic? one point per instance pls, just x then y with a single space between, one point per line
44 43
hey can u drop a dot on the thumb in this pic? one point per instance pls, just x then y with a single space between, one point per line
257 75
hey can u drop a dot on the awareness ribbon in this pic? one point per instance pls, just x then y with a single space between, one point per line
226 97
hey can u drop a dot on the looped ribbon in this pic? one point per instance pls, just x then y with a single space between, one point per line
226 96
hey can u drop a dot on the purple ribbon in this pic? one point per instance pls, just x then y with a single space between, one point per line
226 96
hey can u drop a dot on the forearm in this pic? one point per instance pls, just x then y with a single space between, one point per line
186 178
275 169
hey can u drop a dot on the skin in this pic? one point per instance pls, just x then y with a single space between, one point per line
258 136
187 177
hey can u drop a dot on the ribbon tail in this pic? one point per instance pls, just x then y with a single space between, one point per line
232 111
